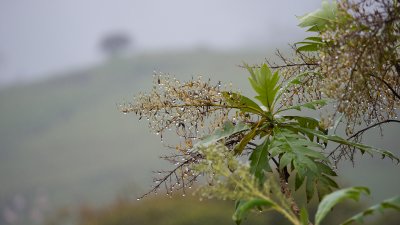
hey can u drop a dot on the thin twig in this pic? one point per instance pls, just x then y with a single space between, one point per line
387 85
284 66
360 132
372 126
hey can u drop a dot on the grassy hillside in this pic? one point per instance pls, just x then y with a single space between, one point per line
65 137
190 211
64 141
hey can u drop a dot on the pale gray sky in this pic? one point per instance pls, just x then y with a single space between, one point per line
41 37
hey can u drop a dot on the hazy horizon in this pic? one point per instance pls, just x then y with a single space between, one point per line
44 37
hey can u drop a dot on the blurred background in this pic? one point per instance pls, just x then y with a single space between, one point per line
67 156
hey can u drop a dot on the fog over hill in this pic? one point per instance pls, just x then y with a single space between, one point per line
44 37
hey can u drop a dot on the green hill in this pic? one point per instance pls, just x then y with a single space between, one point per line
64 139
64 136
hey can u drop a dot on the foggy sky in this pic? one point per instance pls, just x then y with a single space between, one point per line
41 37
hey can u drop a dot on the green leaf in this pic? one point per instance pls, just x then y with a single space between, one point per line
308 163
392 203
259 161
265 84
242 102
322 190
310 105
299 180
286 141
244 208
325 169
336 197
286 159
245 140
313 47
308 42
310 187
306 122
225 131
335 126
306 151
304 216
315 39
314 29
319 19
312 44
297 149
328 181
363 148
314 104
324 186
238 203
316 180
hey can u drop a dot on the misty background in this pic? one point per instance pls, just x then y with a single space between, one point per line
40 38
65 150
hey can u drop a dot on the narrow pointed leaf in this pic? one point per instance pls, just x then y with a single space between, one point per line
243 209
328 181
392 203
242 102
286 159
363 148
265 84
304 216
245 140
299 179
320 18
315 39
309 48
259 161
323 190
309 187
225 131
326 169
336 197
310 105
335 126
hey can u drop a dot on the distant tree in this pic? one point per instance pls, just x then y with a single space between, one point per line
351 64
115 44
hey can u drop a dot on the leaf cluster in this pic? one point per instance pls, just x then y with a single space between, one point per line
287 145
